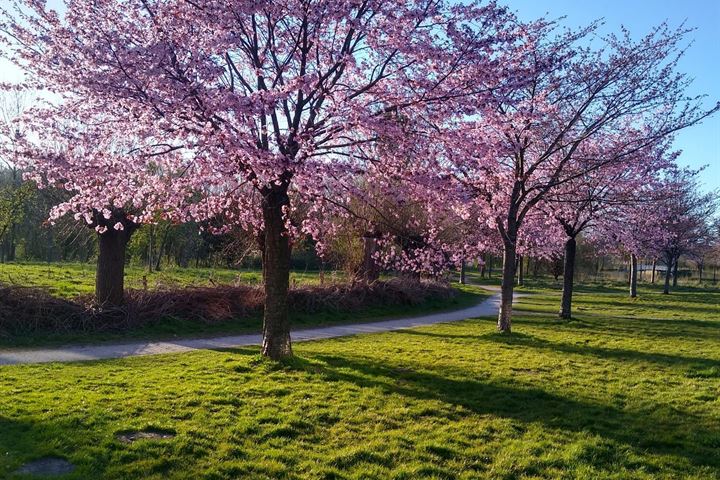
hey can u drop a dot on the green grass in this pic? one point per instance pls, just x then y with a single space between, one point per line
611 298
69 280
627 389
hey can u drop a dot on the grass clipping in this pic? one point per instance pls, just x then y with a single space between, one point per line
25 310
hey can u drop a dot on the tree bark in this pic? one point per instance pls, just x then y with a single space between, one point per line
675 271
633 275
668 270
463 279
700 271
151 242
369 272
652 279
161 249
11 245
508 284
568 278
110 273
520 271
276 268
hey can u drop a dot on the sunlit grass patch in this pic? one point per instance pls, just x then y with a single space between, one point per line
603 397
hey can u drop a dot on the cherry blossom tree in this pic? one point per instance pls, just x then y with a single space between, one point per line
686 217
258 100
531 141
605 203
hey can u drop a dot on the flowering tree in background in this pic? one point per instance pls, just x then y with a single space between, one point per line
605 203
112 194
685 217
267 97
530 141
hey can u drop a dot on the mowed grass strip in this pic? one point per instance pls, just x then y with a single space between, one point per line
605 396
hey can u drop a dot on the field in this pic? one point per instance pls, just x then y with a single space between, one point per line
68 280
628 389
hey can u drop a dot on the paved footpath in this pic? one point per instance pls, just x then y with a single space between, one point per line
488 307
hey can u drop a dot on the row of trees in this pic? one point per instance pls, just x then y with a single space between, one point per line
438 132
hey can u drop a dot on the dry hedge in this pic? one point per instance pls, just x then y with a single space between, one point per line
24 310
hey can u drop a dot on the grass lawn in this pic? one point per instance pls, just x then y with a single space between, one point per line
628 389
69 280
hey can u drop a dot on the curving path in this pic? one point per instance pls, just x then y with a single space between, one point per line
486 308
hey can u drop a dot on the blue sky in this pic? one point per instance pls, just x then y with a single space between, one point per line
700 144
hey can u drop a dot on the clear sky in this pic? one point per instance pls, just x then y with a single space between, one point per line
700 144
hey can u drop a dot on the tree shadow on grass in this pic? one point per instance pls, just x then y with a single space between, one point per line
630 327
526 340
25 440
683 436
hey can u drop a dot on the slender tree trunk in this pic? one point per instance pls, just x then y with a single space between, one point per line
520 271
463 279
110 274
508 284
276 269
668 271
568 278
633 275
161 249
652 278
700 271
675 271
151 243
11 244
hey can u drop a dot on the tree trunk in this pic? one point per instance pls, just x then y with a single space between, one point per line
151 242
668 270
652 278
463 280
369 272
161 249
276 268
520 271
508 284
633 275
11 245
568 278
110 274
700 271
675 271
